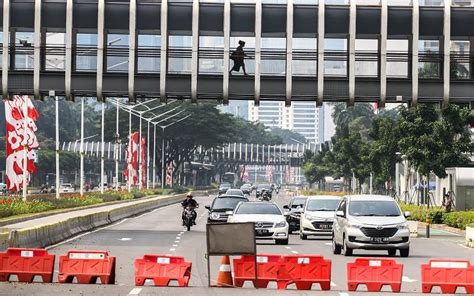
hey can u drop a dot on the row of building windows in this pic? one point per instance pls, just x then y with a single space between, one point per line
211 55
346 2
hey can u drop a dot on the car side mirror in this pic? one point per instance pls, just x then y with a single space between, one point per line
208 207
286 207
407 214
340 214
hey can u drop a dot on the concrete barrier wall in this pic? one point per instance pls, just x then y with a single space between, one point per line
46 235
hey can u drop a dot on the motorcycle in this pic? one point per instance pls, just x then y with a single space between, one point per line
188 214
266 196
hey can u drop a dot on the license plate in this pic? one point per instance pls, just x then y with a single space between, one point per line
261 231
379 239
322 226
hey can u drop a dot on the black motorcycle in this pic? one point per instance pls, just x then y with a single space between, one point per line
266 196
188 215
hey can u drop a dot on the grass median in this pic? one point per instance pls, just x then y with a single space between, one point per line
13 207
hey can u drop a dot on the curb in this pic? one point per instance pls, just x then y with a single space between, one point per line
50 234
444 227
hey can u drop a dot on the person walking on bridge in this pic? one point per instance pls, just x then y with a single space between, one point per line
238 57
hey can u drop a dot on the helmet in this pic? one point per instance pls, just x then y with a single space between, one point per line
189 194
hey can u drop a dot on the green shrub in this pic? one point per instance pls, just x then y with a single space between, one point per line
16 206
459 219
179 189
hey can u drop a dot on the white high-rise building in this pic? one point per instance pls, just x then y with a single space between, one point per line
315 124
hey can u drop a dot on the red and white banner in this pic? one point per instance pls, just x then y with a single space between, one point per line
143 168
131 168
169 174
20 117
245 174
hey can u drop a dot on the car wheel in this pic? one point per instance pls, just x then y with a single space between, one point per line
303 236
336 249
282 241
405 252
347 250
392 252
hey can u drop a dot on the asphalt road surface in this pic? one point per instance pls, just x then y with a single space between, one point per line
160 232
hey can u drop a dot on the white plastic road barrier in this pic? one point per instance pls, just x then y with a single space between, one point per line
375 263
262 259
438 264
85 256
162 260
26 254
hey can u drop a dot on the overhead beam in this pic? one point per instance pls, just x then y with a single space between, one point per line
100 48
195 52
132 57
163 50
37 50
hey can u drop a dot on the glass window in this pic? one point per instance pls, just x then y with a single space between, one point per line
249 54
55 51
227 203
304 56
273 56
429 59
329 205
148 60
397 58
298 202
86 52
117 52
366 57
431 2
399 2
335 57
460 59
211 50
179 54
374 208
24 51
258 209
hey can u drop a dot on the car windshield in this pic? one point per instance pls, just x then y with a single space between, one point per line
329 205
264 186
227 203
298 202
258 209
373 208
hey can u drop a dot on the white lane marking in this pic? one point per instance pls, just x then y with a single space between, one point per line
328 244
175 245
176 241
288 248
135 291
172 249
105 227
408 280
294 252
343 294
179 234
333 284
177 238
124 239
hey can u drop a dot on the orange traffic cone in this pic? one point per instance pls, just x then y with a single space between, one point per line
224 277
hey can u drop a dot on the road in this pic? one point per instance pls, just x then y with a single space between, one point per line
160 232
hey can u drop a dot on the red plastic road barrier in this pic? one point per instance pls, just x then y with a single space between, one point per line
374 273
87 267
162 269
26 264
306 270
268 268
448 275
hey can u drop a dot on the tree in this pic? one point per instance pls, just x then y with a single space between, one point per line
383 152
434 140
316 166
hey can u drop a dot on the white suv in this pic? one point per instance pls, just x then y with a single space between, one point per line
318 215
370 222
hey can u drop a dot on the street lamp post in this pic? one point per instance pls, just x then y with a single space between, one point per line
148 157
154 155
57 144
102 154
129 149
117 134
81 175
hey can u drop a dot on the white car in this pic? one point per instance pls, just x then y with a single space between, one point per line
66 188
318 215
370 222
268 218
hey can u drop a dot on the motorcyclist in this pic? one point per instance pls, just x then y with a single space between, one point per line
189 202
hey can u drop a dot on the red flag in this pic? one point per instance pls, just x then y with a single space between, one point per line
131 168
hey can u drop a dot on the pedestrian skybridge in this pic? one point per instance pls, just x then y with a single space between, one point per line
297 50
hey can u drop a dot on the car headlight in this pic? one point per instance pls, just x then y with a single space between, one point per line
215 216
353 225
402 226
280 224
